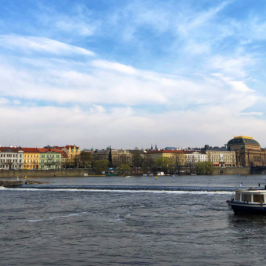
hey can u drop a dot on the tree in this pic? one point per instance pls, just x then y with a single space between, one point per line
177 163
125 168
209 167
100 165
204 168
165 163
200 168
85 159
136 158
148 164
110 158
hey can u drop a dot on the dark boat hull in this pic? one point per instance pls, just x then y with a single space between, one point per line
240 207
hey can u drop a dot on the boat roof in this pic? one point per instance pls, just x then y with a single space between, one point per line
251 190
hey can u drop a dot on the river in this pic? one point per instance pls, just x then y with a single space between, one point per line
63 225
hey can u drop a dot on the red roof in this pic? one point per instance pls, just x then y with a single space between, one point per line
165 151
63 154
10 149
71 146
48 150
30 149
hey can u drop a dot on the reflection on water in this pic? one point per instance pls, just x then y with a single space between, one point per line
42 227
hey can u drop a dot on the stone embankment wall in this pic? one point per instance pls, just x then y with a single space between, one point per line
46 173
231 171
81 172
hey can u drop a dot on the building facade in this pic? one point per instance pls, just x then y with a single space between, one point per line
49 159
221 157
31 158
11 158
71 150
248 151
192 157
178 157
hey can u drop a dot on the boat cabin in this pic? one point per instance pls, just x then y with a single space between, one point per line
250 196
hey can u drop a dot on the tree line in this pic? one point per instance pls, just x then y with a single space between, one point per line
165 164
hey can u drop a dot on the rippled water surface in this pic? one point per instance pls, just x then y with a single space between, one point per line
83 227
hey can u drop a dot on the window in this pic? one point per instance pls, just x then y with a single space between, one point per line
258 198
246 197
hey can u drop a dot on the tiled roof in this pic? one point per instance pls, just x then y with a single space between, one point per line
165 151
9 149
30 149
71 146
42 150
63 154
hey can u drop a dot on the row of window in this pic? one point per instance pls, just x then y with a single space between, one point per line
7 166
49 156
10 155
10 161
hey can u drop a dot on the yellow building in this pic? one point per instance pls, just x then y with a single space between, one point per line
31 158
178 157
71 150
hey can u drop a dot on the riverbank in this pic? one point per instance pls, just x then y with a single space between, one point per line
47 173
90 172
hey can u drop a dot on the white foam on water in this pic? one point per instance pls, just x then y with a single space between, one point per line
122 191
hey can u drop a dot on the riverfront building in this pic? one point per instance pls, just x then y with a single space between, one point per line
220 157
50 159
72 151
11 158
31 158
192 157
177 156
248 151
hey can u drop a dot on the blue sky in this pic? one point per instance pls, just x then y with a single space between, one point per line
131 73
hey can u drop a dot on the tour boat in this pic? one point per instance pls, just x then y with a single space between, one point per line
248 200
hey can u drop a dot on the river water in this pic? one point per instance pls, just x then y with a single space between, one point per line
63 225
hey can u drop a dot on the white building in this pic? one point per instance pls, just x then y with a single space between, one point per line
192 157
11 158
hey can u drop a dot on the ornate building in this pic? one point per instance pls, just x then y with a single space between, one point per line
248 151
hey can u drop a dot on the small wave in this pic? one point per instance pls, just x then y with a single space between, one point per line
56 217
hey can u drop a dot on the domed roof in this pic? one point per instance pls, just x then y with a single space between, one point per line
243 140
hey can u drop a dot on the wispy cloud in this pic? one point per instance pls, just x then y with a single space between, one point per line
40 44
189 67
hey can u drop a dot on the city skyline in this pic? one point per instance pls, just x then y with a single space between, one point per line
131 73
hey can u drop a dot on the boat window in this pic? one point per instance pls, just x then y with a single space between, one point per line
258 198
237 196
246 197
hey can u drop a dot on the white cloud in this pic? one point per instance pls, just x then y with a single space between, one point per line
40 44
251 114
4 101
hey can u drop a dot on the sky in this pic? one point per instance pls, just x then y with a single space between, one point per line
131 73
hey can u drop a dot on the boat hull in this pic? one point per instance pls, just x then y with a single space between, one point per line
240 207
